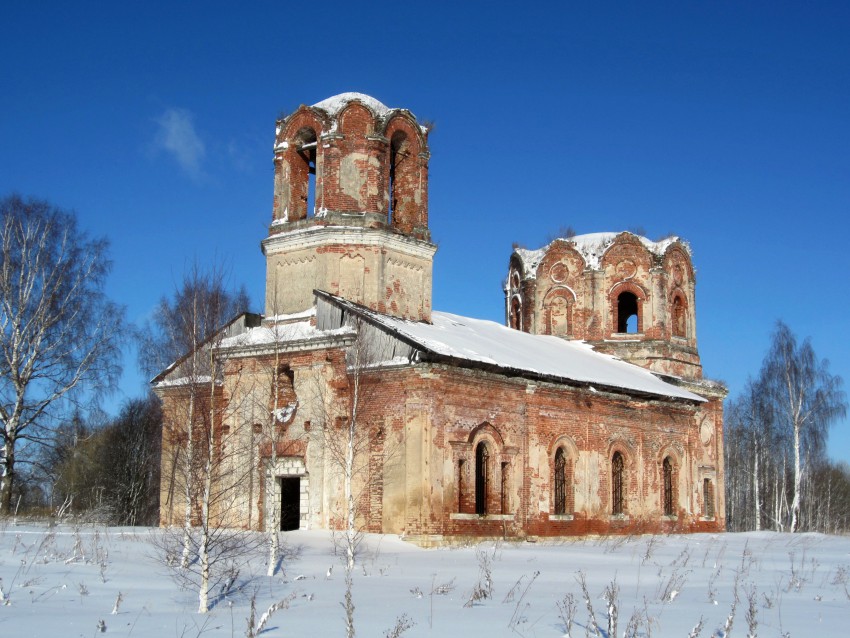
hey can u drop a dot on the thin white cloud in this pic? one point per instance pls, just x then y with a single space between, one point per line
239 156
177 136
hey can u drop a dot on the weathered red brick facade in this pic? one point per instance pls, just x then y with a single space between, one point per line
449 443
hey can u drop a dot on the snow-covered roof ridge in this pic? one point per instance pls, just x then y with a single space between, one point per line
336 103
592 246
513 352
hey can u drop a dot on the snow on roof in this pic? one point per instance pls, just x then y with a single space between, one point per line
333 105
281 333
184 381
591 247
491 343
294 316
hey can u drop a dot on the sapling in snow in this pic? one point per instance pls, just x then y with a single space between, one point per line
567 611
118 600
402 624
610 595
695 632
591 615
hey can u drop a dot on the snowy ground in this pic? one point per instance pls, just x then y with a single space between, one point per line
64 581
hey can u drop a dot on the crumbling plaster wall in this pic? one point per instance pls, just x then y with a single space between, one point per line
447 411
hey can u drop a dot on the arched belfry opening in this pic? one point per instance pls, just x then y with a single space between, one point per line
399 161
628 319
407 210
306 149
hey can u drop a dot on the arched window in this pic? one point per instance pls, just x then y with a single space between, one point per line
627 313
515 282
680 328
460 494
708 497
667 485
560 482
516 314
482 478
617 484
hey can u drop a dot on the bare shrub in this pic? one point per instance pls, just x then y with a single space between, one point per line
668 591
567 611
518 617
402 624
483 589
256 628
592 625
752 611
695 632
610 596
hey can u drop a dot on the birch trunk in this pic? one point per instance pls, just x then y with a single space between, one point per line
187 483
204 545
756 486
274 523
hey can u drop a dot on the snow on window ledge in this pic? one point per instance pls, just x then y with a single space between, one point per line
481 517
560 517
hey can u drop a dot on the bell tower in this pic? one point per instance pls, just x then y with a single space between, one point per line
626 295
350 213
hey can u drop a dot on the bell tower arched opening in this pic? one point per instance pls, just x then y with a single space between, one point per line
628 318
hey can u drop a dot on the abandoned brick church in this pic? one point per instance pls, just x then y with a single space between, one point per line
585 413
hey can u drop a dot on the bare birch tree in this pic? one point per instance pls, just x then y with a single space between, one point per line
775 443
185 331
273 406
807 399
61 335
348 441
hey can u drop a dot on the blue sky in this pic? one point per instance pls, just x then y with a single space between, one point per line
725 123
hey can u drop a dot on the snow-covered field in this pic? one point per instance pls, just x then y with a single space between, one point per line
64 581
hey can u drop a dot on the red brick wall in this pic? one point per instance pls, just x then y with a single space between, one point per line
520 427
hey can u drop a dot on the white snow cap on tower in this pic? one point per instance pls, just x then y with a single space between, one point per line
335 104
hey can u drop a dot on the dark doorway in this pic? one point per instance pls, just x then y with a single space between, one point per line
290 503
